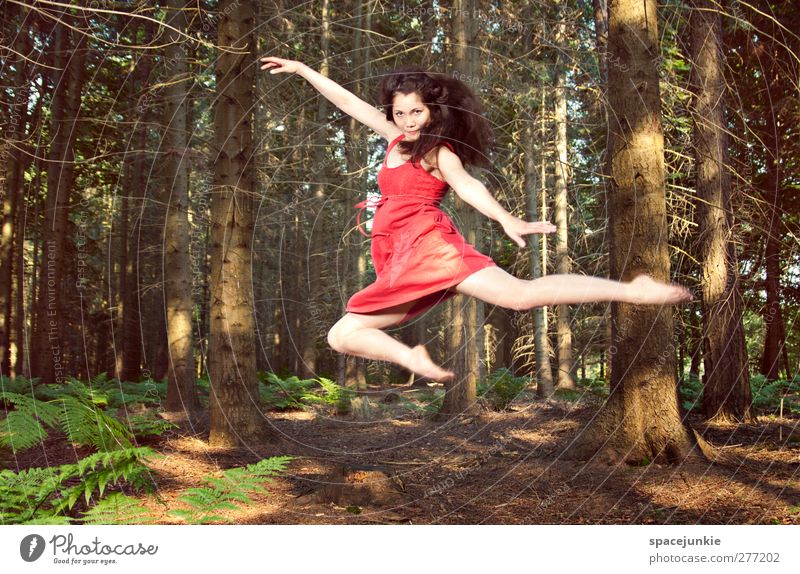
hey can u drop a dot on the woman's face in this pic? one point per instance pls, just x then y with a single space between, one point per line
410 114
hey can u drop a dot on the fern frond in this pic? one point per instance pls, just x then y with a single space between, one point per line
22 428
86 424
116 508
234 485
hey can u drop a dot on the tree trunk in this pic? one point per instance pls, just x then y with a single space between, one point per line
48 353
235 416
314 328
354 372
726 385
181 389
130 292
561 176
641 420
533 188
464 339
14 162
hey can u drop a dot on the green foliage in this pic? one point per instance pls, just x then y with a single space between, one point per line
291 392
44 495
79 410
116 508
501 387
691 392
287 393
596 386
19 385
148 424
85 423
336 395
767 395
24 427
224 492
427 401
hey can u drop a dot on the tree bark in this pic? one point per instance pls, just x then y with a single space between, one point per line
314 329
726 384
133 206
464 330
534 189
234 400
48 353
181 388
566 363
641 419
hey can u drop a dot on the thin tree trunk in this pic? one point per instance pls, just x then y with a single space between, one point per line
181 389
772 135
320 234
14 161
641 420
541 342
354 372
234 405
726 385
561 176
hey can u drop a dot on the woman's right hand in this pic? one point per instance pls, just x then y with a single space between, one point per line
278 65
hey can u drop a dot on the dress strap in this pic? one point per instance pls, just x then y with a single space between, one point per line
390 146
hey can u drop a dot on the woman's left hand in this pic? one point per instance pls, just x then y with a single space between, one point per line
515 228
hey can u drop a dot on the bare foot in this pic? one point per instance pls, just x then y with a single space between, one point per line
420 362
644 290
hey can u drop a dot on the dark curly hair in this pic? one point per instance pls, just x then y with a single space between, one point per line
455 114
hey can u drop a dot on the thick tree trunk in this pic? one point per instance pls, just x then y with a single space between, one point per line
464 340
181 388
726 388
641 420
49 346
235 416
561 176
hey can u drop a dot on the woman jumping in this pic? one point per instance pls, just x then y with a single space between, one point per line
434 127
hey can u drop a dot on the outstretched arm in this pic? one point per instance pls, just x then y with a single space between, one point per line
475 193
346 101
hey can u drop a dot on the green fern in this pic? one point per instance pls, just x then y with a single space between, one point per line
44 495
116 508
501 387
84 423
148 424
18 384
335 394
289 393
22 428
224 492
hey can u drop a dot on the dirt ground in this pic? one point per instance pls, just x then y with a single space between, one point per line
398 466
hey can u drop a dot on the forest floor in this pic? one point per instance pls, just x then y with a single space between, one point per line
400 466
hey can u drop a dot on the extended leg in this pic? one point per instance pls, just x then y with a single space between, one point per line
361 335
497 287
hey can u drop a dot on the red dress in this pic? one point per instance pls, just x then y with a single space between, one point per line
417 252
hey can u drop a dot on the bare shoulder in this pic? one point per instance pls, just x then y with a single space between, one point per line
446 158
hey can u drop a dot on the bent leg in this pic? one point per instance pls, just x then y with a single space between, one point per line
360 335
497 287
